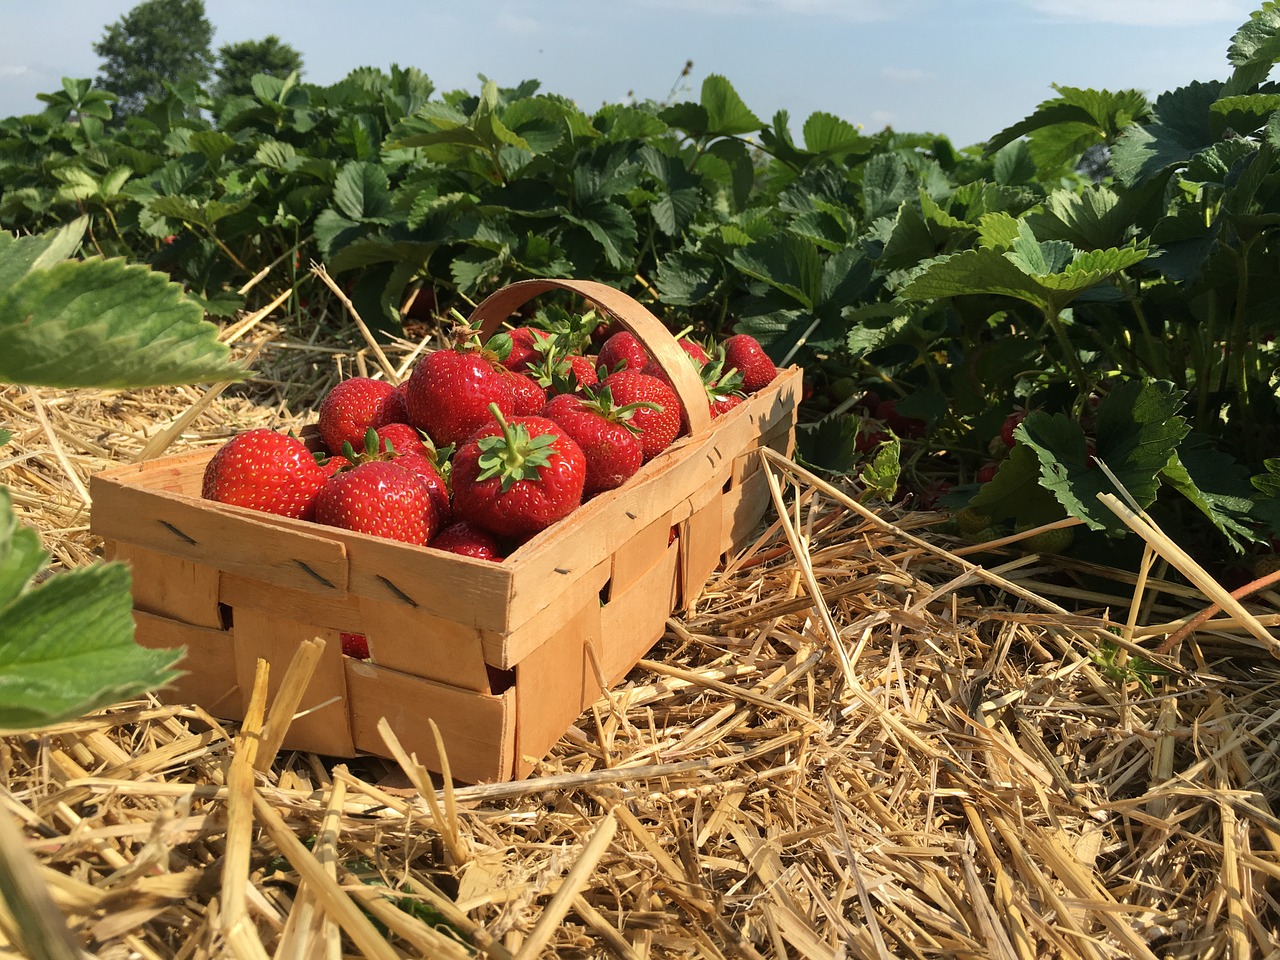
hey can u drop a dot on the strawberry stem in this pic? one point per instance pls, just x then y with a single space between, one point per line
514 455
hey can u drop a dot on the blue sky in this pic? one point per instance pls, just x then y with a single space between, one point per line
964 68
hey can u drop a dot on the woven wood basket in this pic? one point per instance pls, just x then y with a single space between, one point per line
502 656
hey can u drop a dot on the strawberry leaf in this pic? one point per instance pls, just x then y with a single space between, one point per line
98 323
66 646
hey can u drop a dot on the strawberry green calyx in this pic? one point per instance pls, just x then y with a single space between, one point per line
599 399
515 455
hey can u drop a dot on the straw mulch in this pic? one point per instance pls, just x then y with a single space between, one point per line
859 743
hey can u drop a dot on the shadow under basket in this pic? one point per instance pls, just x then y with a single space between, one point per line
504 657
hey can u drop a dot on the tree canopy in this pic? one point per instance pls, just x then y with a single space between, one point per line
239 62
155 42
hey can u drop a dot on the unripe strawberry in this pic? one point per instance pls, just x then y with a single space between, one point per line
381 499
1050 541
971 520
265 470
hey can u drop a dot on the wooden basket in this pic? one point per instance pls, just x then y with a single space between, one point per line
502 656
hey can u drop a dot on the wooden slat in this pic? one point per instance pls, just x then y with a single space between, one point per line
261 634
171 586
209 666
421 645
555 683
478 729
634 620
228 538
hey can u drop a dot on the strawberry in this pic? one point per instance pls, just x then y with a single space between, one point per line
1009 426
903 426
612 448
355 645
558 371
987 472
658 424
515 478
743 353
622 350
470 541
530 397
265 470
403 439
449 393
517 348
381 499
355 405
426 468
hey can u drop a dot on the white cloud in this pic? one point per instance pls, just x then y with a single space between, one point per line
881 119
1145 13
14 70
904 74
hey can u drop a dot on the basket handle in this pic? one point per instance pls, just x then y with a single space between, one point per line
648 329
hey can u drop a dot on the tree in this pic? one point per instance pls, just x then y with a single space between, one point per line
155 42
239 62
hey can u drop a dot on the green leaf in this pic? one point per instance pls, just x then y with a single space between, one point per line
1255 48
1179 130
829 135
105 323
829 444
67 648
727 115
22 255
880 475
787 263
362 191
1216 485
21 555
1138 432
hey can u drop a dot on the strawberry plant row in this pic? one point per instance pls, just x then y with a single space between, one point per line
1099 266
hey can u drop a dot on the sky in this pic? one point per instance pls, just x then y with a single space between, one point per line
963 68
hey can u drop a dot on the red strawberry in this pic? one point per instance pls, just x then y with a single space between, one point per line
449 393
470 541
1010 425
724 402
658 425
402 437
265 470
516 478
425 467
355 405
517 348
559 372
529 395
381 499
612 448
331 465
355 645
622 349
695 350
743 353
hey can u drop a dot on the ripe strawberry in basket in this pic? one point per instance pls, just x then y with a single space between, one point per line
610 444
449 392
622 349
659 421
353 406
743 353
401 444
467 540
515 478
265 470
380 498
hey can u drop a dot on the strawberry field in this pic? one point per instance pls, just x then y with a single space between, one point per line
1010 612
